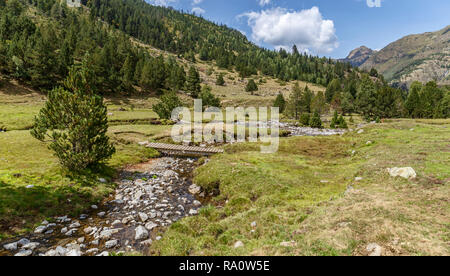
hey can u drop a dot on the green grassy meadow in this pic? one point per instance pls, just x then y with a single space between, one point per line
306 196
25 161
304 199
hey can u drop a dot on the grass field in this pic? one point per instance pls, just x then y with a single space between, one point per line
25 161
306 196
233 92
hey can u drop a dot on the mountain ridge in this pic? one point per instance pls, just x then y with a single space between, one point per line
423 57
358 56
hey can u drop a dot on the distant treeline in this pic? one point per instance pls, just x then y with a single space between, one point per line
373 99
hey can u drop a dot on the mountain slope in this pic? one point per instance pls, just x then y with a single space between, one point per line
188 35
358 56
41 39
421 57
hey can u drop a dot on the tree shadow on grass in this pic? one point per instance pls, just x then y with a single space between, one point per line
26 200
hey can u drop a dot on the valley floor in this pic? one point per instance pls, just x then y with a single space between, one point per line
315 196
325 196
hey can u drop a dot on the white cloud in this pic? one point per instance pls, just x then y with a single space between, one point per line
374 3
283 28
242 32
198 10
164 3
264 2
196 2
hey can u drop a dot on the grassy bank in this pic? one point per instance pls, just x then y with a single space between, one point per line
306 195
24 161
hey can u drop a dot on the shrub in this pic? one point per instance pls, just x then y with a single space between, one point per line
315 121
338 121
251 86
305 119
210 71
341 123
208 99
169 101
75 120
220 81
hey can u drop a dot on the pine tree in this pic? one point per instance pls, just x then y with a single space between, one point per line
145 79
75 121
193 82
128 70
335 120
305 119
431 96
294 104
389 102
341 123
366 98
295 50
333 87
306 100
444 106
43 62
412 103
280 102
347 103
336 102
154 75
204 55
251 86
65 60
177 78
315 121
319 103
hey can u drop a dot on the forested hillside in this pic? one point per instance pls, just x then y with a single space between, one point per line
187 34
41 39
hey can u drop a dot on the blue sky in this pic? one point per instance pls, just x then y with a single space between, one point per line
324 27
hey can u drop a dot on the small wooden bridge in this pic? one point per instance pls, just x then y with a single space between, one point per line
180 150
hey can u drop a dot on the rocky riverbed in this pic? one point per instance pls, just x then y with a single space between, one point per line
295 130
148 198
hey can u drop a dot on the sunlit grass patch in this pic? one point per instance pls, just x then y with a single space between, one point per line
273 190
18 116
26 162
